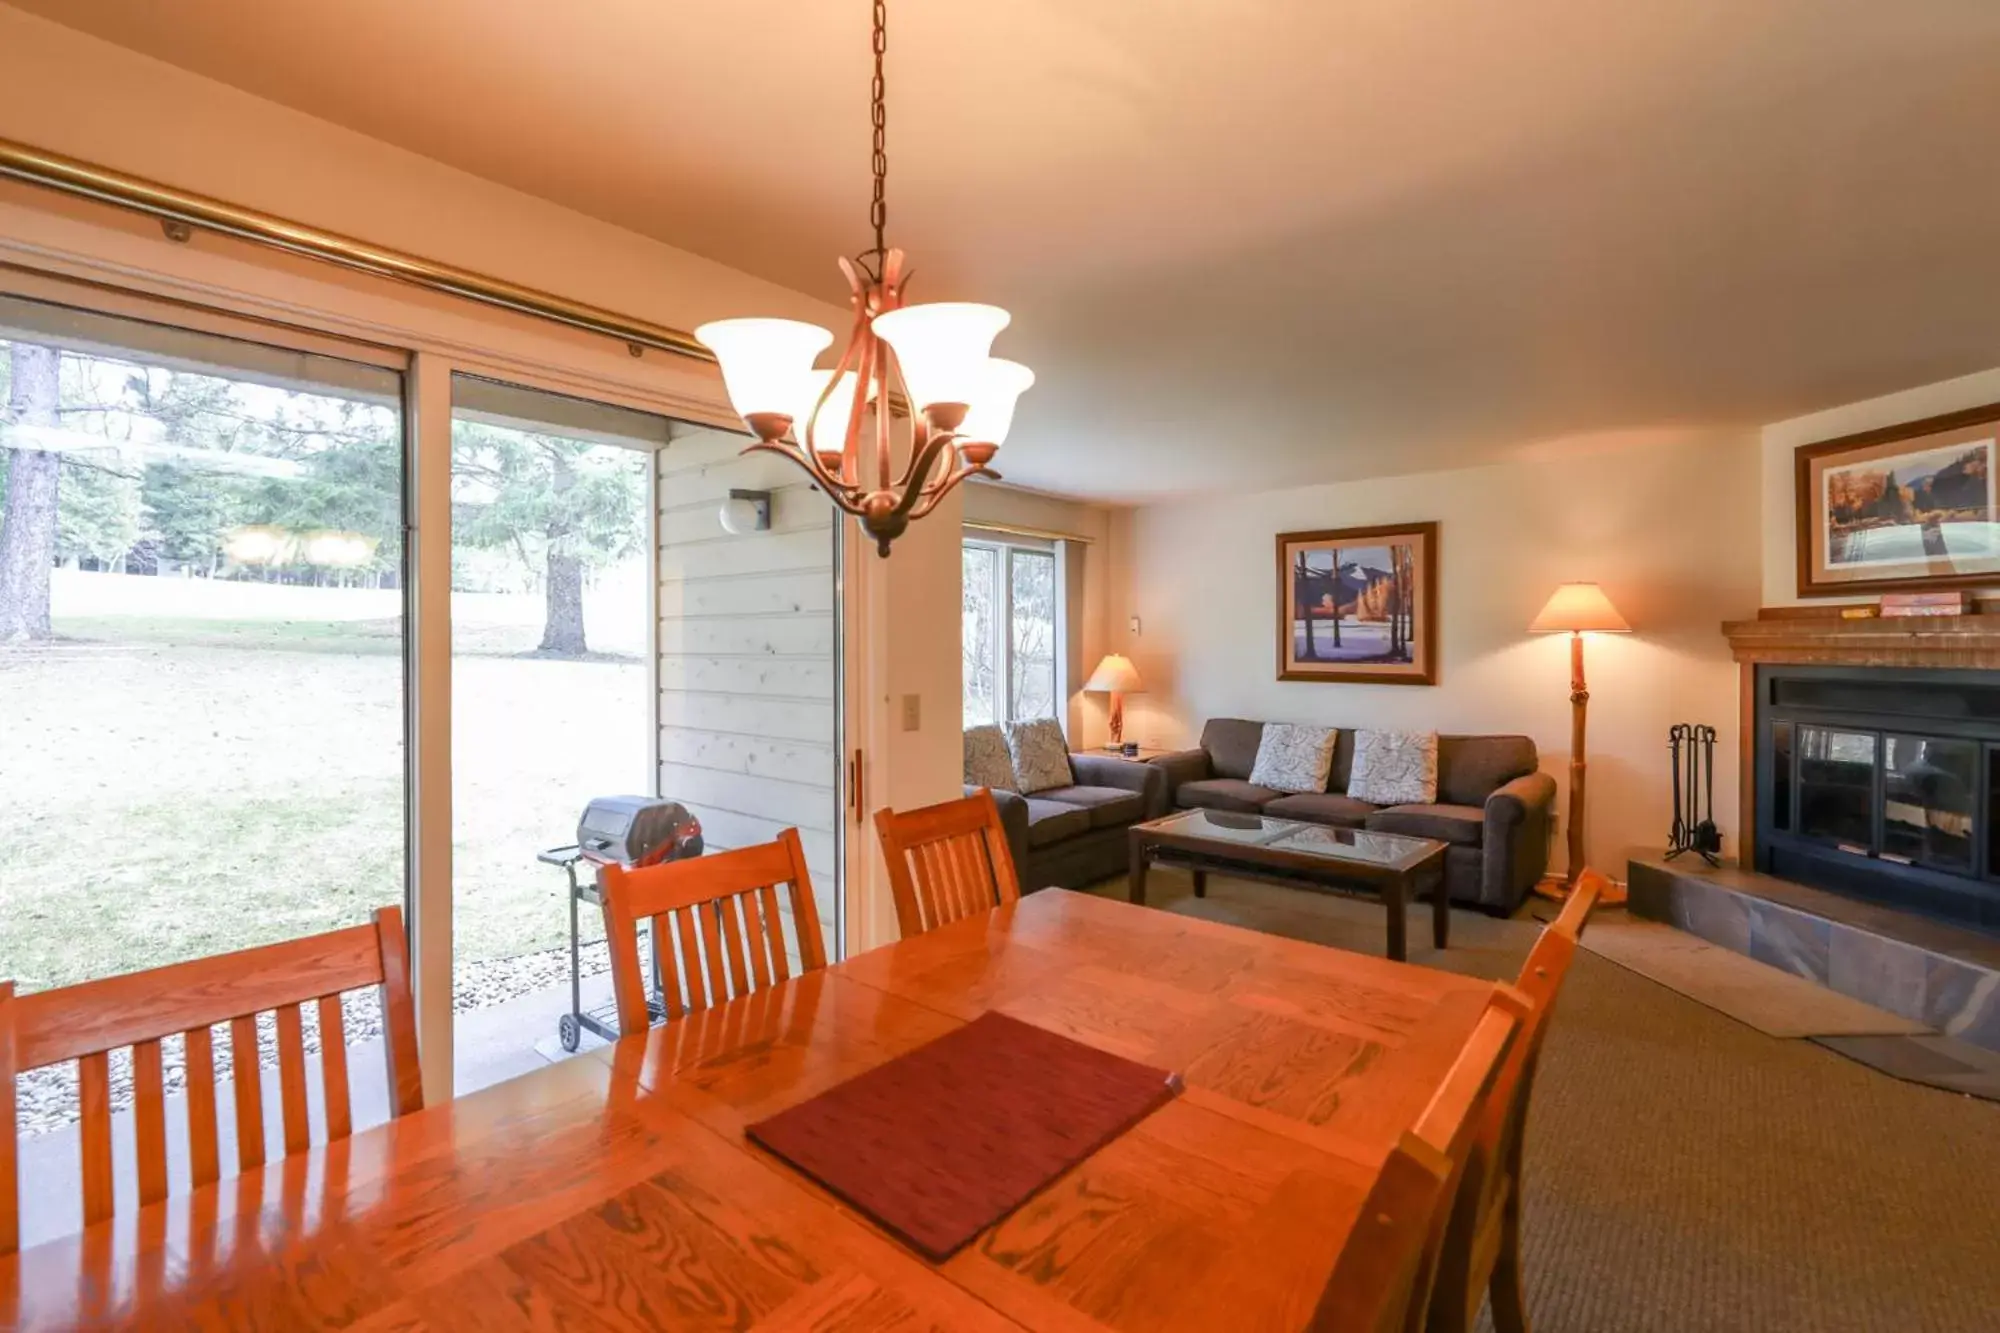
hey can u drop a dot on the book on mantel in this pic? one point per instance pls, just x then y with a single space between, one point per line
1897 604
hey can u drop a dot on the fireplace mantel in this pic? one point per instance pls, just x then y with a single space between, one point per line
1806 635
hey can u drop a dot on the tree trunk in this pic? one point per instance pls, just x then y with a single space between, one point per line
1336 597
1302 594
562 630
28 528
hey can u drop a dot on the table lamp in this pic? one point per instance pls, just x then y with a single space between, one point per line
1577 609
1115 676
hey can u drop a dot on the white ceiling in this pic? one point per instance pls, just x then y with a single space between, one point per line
1253 242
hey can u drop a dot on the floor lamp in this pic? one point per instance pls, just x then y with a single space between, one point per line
1577 609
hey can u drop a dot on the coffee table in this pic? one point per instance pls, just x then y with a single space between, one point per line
1393 865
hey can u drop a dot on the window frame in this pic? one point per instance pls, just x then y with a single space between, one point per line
1002 656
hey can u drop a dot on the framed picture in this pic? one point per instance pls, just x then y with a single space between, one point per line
1906 508
1359 605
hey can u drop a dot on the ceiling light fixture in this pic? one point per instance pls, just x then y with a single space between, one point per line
937 358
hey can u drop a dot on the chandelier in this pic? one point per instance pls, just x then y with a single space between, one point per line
930 364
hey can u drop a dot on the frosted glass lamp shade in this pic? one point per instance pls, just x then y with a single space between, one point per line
943 348
1582 608
992 414
764 361
830 431
1114 675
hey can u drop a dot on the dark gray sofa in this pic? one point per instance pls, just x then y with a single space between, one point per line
1492 810
1073 836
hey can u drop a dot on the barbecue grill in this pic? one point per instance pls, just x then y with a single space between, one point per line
626 831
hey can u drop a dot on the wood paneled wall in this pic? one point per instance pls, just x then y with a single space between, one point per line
746 643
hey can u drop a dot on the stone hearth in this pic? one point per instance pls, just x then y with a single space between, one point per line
1934 973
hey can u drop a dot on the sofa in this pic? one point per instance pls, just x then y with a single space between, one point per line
1492 810
1073 835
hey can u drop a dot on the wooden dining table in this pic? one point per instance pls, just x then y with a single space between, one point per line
616 1189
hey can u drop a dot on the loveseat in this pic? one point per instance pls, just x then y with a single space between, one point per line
1072 835
1492 808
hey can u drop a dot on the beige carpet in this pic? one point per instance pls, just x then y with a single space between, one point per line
1774 1002
1687 1173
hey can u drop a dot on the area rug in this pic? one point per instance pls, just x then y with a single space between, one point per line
1927 1058
1774 1002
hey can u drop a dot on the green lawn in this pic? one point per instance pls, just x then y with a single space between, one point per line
173 789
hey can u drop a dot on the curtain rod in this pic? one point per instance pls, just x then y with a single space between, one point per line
1017 530
172 206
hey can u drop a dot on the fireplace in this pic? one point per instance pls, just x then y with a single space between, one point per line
1883 783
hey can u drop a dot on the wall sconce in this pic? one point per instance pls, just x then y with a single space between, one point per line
745 512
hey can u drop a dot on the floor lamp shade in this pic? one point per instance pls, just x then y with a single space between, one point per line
1577 609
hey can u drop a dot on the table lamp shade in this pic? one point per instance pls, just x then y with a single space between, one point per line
1114 675
1579 607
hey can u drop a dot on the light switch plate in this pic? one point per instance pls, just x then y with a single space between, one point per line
913 717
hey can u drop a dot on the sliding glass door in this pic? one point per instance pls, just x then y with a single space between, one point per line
552 698
201 653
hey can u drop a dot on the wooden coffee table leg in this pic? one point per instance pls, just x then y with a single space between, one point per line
1136 877
1395 895
1200 883
1440 912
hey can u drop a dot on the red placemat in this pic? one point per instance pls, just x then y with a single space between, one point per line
943 1141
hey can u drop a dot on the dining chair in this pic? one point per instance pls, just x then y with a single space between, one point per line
1382 1281
86 1022
946 861
724 913
1482 1247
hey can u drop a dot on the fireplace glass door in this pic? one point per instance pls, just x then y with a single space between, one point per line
1837 786
1929 787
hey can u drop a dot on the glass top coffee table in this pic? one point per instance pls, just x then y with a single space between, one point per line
1393 865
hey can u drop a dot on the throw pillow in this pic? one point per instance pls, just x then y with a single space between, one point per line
1041 755
1395 767
987 760
1293 758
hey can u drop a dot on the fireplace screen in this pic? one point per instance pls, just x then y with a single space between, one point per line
1837 786
1928 789
1883 783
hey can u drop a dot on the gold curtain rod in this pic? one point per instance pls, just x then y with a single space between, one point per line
70 176
1017 530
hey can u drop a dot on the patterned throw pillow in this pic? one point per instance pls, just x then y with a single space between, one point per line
1041 754
1395 767
987 761
1292 758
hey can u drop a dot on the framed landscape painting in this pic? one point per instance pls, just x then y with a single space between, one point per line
1359 605
1902 509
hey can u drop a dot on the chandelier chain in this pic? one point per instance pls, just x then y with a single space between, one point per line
878 212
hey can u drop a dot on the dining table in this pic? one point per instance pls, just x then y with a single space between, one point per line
616 1189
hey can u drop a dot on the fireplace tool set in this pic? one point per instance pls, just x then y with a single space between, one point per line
1694 830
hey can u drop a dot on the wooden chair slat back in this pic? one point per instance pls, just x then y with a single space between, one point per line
1450 1125
1476 1210
946 861
84 1023
721 914
1375 1283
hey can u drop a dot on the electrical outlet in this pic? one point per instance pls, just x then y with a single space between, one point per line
1135 627
913 712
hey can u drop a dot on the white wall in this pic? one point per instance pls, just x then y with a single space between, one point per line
1781 440
1668 527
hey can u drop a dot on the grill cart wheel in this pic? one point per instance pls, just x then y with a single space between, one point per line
569 1032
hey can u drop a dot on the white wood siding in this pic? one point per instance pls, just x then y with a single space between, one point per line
746 644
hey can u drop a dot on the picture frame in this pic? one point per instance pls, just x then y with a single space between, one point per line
1358 606
1912 507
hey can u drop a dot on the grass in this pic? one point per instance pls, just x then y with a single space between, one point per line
170 789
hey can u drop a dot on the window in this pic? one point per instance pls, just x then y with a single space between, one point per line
1011 631
202 574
